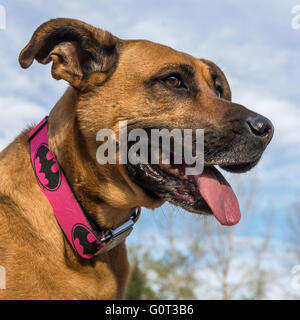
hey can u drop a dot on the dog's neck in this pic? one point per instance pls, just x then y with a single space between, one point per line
83 173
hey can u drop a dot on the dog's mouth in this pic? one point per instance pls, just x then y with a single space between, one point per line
205 193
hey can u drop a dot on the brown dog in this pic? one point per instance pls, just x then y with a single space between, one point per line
150 86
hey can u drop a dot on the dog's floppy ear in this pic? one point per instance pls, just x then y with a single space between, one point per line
81 53
219 78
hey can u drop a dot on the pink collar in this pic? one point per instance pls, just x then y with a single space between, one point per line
83 234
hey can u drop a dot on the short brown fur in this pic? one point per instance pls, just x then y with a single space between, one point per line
107 79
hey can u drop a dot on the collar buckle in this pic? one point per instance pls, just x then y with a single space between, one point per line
116 236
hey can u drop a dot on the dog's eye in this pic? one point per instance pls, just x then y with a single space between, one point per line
219 91
218 86
173 82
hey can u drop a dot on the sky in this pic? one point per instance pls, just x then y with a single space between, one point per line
252 41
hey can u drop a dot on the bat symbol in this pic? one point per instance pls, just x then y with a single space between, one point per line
81 233
51 179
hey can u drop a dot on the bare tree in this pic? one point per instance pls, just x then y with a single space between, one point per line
175 275
224 252
198 258
294 228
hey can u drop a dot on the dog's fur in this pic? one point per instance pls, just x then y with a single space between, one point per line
110 80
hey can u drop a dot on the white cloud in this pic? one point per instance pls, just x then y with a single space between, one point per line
284 114
280 164
154 30
16 114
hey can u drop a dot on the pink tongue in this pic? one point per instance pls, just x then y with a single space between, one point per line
219 195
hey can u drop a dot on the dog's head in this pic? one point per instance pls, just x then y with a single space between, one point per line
152 86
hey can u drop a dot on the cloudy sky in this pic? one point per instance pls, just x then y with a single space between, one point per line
252 41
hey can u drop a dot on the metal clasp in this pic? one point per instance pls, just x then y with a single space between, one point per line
117 235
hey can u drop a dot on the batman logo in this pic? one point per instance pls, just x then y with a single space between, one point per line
47 170
82 233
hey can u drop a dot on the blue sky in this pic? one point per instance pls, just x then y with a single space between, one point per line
252 41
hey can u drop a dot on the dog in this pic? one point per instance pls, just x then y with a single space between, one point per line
149 85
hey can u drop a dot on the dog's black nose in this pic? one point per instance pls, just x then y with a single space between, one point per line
260 127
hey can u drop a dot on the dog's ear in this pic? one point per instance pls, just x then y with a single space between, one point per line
82 54
219 78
